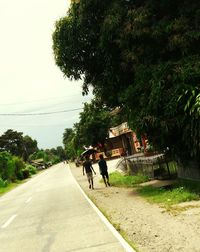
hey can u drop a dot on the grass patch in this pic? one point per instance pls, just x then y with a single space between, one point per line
191 185
10 186
182 191
176 209
119 180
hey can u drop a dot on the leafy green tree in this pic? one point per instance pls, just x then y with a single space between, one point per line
142 56
91 130
7 166
191 100
19 167
49 155
93 126
41 154
30 145
51 151
61 153
17 144
70 143
68 135
12 141
12 168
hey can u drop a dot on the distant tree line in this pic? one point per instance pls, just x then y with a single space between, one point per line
17 153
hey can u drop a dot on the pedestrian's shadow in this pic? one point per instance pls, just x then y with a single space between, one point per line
99 188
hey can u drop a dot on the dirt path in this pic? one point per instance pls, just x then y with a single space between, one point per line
150 227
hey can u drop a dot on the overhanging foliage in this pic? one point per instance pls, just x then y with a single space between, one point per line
142 55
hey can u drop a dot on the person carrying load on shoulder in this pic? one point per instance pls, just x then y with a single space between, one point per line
87 167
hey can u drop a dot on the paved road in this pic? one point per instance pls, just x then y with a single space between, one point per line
50 213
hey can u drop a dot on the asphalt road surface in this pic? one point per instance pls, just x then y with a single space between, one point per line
50 213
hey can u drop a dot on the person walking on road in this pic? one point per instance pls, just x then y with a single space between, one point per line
103 169
87 167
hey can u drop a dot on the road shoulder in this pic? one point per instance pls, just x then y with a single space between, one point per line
149 227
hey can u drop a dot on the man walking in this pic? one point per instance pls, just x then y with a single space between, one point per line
87 167
103 169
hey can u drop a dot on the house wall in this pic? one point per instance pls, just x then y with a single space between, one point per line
114 143
126 142
123 138
136 143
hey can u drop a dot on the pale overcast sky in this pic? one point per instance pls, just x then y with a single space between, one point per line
30 82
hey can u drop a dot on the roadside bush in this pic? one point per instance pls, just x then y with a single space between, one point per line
20 175
3 183
55 160
19 166
25 173
7 167
32 170
38 155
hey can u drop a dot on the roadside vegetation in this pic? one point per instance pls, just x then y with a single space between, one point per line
181 191
12 171
148 50
167 197
19 157
10 186
117 179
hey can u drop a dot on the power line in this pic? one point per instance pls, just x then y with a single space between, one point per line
42 100
38 114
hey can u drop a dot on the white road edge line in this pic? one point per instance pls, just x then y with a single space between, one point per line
9 221
122 241
28 200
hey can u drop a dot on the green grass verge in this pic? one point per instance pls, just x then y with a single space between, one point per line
10 186
182 191
120 180
191 185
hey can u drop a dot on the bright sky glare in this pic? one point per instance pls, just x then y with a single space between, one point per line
30 82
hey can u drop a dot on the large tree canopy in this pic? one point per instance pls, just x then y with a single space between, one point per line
142 55
30 146
12 141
